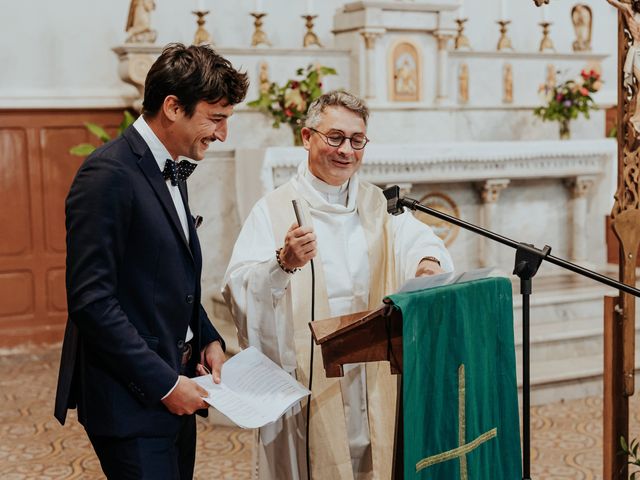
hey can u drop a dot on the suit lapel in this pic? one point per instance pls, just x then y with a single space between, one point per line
150 169
193 236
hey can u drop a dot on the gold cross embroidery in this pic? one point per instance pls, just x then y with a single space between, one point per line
463 448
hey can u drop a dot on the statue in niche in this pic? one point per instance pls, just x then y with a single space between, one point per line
631 68
405 74
508 83
463 83
139 22
581 17
406 77
263 78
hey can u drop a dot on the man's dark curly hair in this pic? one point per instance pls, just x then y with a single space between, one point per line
192 74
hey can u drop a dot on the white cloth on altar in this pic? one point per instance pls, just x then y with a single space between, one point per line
255 287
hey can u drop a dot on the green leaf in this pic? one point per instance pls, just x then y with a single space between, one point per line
623 444
98 131
82 150
126 122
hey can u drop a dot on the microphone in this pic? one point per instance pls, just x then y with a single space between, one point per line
297 208
392 194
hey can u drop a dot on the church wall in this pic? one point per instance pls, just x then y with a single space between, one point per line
58 56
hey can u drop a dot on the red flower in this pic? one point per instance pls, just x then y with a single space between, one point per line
584 74
559 97
288 112
583 91
319 84
294 84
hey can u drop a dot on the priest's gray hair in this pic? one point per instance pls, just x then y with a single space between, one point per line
335 98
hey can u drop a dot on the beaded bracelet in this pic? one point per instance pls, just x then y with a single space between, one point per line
285 269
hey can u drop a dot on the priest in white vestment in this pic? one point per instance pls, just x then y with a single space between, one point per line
360 255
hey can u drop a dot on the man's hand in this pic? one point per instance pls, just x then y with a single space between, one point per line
211 359
186 398
428 267
299 247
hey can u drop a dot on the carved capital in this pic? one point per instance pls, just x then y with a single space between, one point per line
370 37
443 37
489 190
580 185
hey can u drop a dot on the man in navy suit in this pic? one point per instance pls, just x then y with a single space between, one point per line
136 330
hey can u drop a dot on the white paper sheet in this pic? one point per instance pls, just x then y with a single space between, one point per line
254 391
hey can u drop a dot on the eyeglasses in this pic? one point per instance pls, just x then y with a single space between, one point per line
336 139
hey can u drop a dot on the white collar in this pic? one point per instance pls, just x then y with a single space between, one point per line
158 150
318 193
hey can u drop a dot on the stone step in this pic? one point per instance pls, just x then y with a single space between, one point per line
565 379
570 339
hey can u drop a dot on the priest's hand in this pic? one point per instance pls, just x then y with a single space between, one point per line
428 267
211 359
299 247
186 397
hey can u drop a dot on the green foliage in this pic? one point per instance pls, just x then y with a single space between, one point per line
289 103
631 451
569 99
84 149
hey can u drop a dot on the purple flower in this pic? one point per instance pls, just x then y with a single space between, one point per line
567 103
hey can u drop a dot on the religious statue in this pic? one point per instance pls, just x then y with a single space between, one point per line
631 69
263 78
507 84
406 78
139 22
581 17
463 83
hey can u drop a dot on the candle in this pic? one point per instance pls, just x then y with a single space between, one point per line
201 5
461 11
309 6
543 13
503 10
258 6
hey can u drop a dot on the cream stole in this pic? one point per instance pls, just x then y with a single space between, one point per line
329 444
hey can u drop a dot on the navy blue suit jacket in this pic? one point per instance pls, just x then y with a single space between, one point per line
133 287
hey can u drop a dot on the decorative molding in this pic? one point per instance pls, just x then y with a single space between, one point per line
585 56
455 162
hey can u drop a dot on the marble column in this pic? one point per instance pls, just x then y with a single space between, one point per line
489 191
579 189
370 67
442 90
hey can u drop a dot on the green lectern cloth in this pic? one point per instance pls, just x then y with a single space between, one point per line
459 382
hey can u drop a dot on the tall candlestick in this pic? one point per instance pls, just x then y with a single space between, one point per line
259 5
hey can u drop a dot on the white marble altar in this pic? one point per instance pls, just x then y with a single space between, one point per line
499 185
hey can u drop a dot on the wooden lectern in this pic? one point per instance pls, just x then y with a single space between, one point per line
371 336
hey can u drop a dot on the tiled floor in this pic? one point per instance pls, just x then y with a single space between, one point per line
566 437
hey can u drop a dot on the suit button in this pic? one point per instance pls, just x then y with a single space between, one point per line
189 299
180 343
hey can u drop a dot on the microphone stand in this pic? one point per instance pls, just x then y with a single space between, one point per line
528 259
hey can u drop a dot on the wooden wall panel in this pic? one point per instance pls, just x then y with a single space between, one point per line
36 170
15 214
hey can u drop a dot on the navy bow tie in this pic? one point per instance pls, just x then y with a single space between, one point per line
177 171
